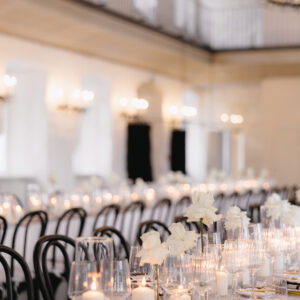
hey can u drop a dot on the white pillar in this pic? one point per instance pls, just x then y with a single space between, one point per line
93 154
196 154
26 144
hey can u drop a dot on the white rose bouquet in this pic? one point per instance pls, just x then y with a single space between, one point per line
202 210
235 218
180 240
276 207
153 252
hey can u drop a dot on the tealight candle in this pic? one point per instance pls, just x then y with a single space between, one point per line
143 293
222 283
93 295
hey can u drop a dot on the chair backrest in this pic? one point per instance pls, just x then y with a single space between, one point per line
106 214
152 225
161 210
75 213
131 218
25 222
40 257
3 228
181 205
188 225
121 246
254 213
15 256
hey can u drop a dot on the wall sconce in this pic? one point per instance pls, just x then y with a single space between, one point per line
79 100
234 119
8 87
133 109
176 114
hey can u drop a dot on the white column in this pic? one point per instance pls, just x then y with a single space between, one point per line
93 154
196 154
26 144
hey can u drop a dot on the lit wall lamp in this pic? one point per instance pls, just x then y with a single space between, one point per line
234 119
133 109
78 101
177 115
7 87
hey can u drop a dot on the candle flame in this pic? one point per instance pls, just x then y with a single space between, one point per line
94 284
144 281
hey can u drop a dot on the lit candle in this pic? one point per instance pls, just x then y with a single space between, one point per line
179 294
143 292
222 283
93 295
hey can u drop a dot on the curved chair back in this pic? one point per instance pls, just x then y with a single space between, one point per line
153 225
188 225
161 210
69 216
28 220
15 256
3 228
40 257
106 214
131 218
181 205
121 246
254 213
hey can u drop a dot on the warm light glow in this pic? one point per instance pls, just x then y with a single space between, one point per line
53 200
87 96
18 209
189 111
144 281
236 119
94 284
9 81
224 118
140 104
86 199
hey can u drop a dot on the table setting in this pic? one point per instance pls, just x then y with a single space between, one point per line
245 261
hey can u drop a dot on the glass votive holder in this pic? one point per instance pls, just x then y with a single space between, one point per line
99 251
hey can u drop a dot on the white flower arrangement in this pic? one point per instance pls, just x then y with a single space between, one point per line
235 218
276 207
180 240
291 215
202 208
153 251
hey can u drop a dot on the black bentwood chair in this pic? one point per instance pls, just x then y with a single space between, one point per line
69 216
131 218
107 216
121 246
33 218
153 225
47 281
9 282
188 225
3 229
161 210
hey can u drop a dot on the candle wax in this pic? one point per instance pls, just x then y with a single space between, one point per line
93 295
143 293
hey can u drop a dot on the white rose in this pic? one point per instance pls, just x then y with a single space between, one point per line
153 251
235 218
202 208
180 240
275 206
291 215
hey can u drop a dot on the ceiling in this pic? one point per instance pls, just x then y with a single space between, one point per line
213 24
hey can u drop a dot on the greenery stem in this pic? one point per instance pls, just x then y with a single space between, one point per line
156 277
201 233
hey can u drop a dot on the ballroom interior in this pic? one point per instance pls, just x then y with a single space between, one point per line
115 113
